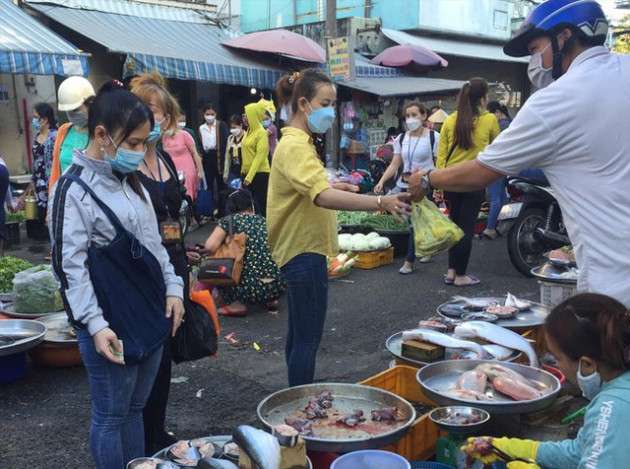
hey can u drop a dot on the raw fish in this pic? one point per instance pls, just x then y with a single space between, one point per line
472 381
494 371
498 351
261 447
521 305
516 389
466 394
474 303
437 338
497 335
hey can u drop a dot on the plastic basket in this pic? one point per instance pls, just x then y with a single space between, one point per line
374 259
419 442
12 233
552 294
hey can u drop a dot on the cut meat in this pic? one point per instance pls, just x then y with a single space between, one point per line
516 389
387 413
472 381
352 419
303 426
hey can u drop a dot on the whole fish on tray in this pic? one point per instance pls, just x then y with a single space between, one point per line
437 338
521 305
474 304
517 390
494 371
498 335
261 447
473 380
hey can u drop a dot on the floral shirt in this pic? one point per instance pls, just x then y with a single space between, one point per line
42 164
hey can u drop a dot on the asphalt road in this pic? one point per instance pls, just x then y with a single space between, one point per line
45 417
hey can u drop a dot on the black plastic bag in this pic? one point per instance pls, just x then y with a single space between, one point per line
196 337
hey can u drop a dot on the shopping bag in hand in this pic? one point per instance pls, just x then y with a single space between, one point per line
433 231
204 205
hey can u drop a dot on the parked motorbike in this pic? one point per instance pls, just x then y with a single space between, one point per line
533 223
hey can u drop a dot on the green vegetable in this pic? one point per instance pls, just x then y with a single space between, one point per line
35 290
15 217
351 218
384 222
9 266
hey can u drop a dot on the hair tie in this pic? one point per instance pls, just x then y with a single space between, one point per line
118 84
468 82
293 77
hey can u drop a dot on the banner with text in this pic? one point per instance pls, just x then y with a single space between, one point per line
341 59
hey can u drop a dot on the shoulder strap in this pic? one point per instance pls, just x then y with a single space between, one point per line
402 138
432 142
450 152
108 211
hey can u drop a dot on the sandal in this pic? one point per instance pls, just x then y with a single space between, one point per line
272 305
473 281
447 280
225 311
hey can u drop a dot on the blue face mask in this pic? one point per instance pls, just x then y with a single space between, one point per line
36 124
321 120
126 161
266 124
590 385
156 132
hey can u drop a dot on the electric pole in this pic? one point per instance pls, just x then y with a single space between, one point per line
332 137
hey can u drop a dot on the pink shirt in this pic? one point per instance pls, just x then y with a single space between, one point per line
180 146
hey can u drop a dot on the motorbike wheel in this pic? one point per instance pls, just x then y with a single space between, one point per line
523 258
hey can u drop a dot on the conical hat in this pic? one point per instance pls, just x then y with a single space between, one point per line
438 117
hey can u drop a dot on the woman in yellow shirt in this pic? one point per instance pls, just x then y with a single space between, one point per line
464 134
301 217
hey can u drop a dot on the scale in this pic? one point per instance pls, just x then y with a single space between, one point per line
448 448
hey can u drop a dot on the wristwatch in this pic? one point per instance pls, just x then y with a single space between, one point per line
426 183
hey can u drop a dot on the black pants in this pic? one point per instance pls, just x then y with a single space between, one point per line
154 413
214 179
464 211
259 187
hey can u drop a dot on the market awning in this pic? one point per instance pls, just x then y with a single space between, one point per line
28 47
455 47
177 42
403 86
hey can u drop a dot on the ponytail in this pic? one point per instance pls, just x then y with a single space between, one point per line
592 325
467 101
304 84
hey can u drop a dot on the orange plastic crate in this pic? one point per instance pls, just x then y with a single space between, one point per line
374 259
419 442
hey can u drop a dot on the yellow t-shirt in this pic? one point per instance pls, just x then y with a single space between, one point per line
486 129
295 224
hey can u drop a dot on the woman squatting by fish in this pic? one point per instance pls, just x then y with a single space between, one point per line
589 335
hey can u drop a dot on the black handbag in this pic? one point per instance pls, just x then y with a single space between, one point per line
196 337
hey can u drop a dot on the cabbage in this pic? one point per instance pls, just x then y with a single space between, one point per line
358 236
346 236
380 243
360 245
345 244
373 235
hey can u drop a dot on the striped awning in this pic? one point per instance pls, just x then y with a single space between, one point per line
28 47
178 43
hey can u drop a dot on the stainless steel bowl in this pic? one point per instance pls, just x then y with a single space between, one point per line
437 416
161 464
20 334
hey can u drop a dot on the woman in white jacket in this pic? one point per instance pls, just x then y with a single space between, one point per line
103 227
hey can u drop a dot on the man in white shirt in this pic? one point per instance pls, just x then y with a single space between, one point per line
586 160
213 134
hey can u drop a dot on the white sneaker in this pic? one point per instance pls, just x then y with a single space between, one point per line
405 270
425 259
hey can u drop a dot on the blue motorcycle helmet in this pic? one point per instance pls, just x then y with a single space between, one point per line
584 17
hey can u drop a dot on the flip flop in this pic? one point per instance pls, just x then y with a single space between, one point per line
448 281
473 281
225 311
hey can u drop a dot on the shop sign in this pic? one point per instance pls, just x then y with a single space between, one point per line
341 59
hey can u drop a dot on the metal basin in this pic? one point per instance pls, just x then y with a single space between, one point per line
442 376
329 436
438 415
19 335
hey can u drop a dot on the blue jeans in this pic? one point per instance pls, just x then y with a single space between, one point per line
119 394
307 281
498 198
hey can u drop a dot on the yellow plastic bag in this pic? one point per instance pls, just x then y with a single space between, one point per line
433 231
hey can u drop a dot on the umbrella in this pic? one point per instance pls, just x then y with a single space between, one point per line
280 41
399 56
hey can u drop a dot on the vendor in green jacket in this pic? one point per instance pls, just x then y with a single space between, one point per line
589 335
255 152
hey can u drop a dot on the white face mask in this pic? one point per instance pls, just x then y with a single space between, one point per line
413 124
210 119
235 132
181 125
590 385
540 77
